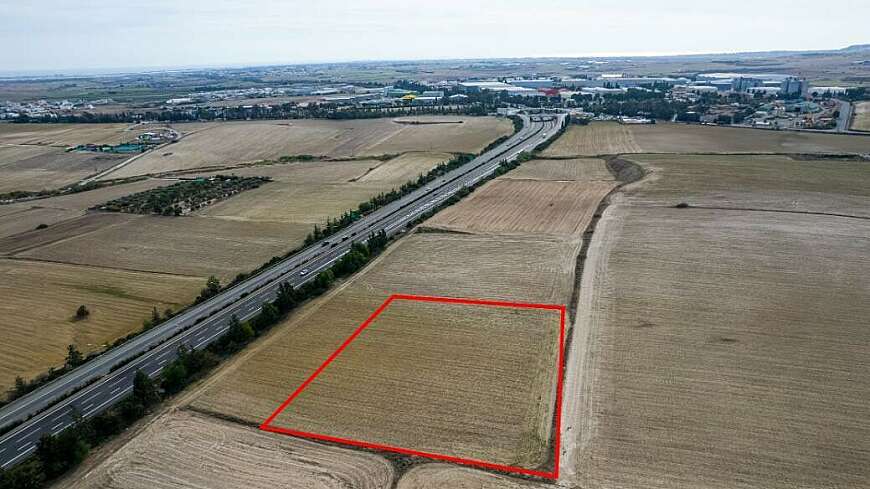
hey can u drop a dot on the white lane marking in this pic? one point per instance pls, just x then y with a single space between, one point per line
55 426
25 447
209 338
108 401
13 459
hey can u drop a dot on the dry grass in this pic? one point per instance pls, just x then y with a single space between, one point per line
40 299
182 449
613 138
526 270
728 350
585 169
767 182
36 168
861 121
195 246
508 206
221 144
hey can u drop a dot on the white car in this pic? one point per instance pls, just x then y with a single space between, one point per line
304 272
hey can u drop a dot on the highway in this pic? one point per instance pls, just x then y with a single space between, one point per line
46 410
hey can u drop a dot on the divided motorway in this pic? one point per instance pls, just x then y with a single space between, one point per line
46 410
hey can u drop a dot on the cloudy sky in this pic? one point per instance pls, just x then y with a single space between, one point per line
58 36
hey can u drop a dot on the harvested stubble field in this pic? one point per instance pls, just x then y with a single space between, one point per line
768 182
311 192
509 206
191 245
440 476
64 135
728 350
570 169
34 168
441 378
503 268
40 300
24 217
861 121
722 348
222 144
183 449
600 138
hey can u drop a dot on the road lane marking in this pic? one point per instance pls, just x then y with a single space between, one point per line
130 388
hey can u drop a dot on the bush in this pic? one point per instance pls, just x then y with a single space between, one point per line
82 312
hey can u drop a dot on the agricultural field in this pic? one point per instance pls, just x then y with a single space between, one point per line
612 138
40 300
411 350
231 143
547 208
571 169
65 135
34 168
598 138
771 182
546 198
311 192
188 245
438 476
723 348
861 117
26 216
186 449
415 356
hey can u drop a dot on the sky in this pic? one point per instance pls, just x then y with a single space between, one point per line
64 36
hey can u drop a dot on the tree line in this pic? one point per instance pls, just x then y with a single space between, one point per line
184 196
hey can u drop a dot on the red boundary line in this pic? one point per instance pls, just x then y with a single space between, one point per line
266 426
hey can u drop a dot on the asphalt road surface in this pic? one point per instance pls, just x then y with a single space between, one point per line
45 410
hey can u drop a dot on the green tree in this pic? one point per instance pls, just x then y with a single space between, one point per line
60 453
174 377
82 312
239 332
144 389
29 474
73 357
268 316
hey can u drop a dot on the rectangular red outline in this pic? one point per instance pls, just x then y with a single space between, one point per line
266 426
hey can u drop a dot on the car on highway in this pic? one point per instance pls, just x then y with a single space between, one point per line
304 272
